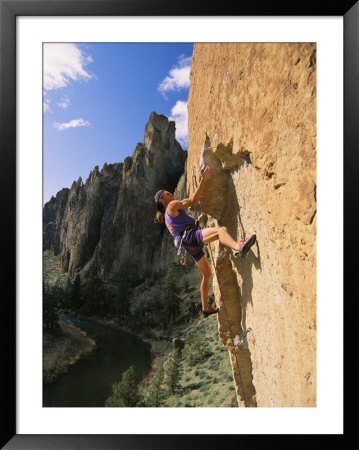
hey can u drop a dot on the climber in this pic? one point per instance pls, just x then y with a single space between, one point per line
187 233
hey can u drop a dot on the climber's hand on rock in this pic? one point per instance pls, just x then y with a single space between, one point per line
201 217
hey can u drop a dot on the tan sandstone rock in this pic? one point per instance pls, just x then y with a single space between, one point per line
252 119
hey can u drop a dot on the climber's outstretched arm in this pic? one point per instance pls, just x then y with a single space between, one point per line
176 205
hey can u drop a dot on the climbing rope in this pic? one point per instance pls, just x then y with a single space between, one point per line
194 181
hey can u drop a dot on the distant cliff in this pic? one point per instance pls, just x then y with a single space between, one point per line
252 118
104 227
53 213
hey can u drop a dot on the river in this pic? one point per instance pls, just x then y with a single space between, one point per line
89 381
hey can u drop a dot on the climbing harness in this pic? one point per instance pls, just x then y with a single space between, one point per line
180 251
182 233
234 346
183 260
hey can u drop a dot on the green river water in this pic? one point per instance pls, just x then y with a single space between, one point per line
88 382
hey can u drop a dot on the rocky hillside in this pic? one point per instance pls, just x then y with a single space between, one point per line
252 119
52 218
104 227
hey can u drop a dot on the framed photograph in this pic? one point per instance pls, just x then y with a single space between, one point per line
105 104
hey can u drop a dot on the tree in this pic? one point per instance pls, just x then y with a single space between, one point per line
156 394
75 294
96 298
170 297
125 392
68 289
174 371
68 286
185 285
121 303
90 298
58 293
50 316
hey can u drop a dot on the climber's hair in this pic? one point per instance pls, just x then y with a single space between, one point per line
159 217
160 213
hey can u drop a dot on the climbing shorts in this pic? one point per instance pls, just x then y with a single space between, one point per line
193 243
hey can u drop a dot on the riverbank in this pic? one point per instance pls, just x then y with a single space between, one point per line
63 350
149 337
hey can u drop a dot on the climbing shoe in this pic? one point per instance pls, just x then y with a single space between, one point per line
244 246
210 311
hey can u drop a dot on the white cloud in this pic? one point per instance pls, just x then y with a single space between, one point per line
65 103
64 63
46 106
46 103
75 123
179 114
178 76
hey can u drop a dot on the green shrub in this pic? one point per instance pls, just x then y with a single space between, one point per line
125 392
196 352
174 371
155 395
49 310
214 365
170 298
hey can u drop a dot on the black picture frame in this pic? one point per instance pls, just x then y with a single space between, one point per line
9 10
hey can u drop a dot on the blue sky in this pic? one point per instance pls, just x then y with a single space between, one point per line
97 99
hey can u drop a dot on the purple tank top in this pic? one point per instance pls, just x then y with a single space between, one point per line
176 224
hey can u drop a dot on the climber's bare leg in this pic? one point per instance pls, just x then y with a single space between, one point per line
203 266
221 233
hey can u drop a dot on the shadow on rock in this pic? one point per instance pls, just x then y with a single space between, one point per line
244 268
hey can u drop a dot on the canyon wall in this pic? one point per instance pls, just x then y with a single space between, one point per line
105 227
252 119
53 213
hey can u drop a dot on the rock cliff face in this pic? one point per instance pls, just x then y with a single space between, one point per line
51 218
105 227
252 119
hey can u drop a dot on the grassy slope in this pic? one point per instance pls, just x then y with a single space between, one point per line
207 384
210 382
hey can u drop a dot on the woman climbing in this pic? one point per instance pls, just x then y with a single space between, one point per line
186 233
